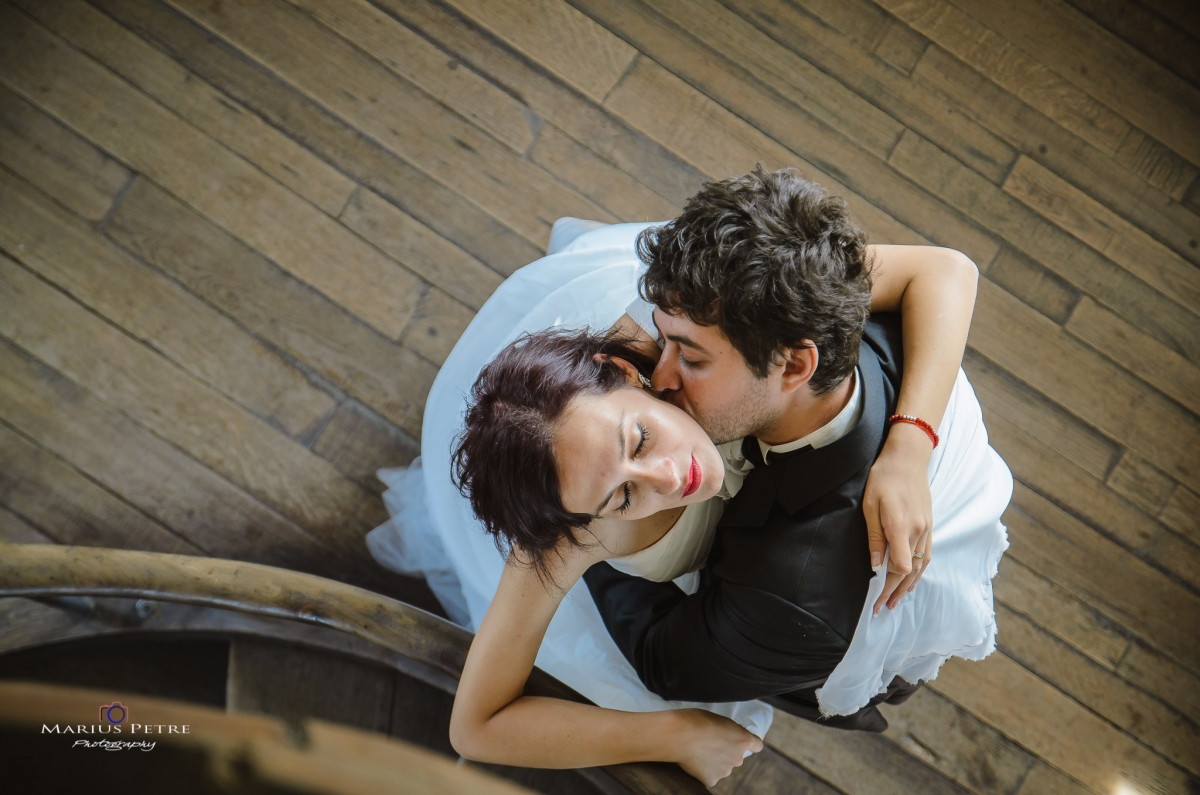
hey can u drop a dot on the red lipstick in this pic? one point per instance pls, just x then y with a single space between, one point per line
695 476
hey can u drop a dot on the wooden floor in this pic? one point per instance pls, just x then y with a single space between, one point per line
239 237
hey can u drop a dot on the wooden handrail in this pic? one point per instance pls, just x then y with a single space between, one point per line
242 750
56 570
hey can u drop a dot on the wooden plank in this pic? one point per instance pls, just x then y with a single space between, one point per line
1029 233
355 154
1154 35
144 304
185 412
1181 12
1137 352
1045 780
833 160
601 181
1042 88
1064 550
1002 394
957 744
194 167
193 99
1042 719
436 325
1138 481
422 250
1099 63
359 442
771 773
1034 462
1077 213
856 763
720 144
1042 289
901 47
1058 612
1101 691
1067 155
421 63
282 311
15 530
1176 687
646 161
1045 356
819 41
62 165
70 508
1182 514
738 53
564 41
147 472
296 682
400 116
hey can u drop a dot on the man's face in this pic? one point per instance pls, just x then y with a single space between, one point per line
702 373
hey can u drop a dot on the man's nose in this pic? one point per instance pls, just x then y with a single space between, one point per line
665 377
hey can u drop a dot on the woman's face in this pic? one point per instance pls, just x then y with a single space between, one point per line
628 455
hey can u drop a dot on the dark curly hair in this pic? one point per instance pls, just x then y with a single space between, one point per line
503 458
771 259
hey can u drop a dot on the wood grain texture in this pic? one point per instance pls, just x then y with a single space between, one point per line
155 310
1070 156
15 530
359 442
1099 63
147 473
60 163
283 311
363 92
421 63
181 409
1054 249
559 38
70 508
230 191
1074 211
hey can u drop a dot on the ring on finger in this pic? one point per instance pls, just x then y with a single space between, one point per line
918 555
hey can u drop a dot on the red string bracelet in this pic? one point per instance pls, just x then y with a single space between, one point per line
920 423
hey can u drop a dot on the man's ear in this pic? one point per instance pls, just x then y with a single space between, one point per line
631 372
799 365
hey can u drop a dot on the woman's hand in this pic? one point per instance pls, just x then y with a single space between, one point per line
899 511
711 746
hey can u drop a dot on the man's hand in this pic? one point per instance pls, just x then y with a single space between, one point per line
899 511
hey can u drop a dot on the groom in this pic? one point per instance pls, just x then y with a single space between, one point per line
760 292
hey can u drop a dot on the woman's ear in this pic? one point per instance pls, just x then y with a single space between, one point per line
631 373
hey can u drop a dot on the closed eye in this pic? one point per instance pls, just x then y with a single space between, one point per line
624 506
645 434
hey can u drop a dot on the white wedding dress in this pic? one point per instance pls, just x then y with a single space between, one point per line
589 283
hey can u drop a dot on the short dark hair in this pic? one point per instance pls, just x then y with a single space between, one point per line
771 259
503 458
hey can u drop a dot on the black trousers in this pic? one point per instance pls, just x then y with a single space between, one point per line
803 704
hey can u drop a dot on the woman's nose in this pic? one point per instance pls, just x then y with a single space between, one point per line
664 477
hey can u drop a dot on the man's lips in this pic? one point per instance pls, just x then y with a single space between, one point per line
695 476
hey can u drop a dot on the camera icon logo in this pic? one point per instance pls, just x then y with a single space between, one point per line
115 713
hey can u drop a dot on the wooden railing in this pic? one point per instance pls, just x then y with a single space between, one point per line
227 752
40 570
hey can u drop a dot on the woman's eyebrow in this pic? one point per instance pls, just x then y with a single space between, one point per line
621 439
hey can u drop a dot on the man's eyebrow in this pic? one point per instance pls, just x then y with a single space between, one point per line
621 439
682 339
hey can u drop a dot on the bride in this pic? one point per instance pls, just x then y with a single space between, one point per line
576 387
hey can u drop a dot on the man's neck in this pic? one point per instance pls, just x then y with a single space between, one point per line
807 413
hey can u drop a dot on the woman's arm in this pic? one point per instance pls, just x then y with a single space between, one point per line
493 721
934 290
